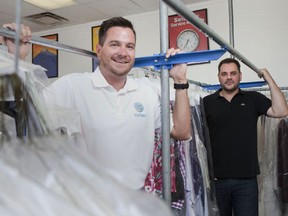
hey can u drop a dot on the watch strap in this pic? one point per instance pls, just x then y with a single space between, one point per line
181 85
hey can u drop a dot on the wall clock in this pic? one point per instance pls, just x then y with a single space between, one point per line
188 40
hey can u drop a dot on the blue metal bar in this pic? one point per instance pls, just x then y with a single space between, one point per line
241 85
160 60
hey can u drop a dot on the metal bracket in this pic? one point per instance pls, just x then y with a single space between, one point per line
241 85
160 60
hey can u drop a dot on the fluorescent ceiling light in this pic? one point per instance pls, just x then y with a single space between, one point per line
51 4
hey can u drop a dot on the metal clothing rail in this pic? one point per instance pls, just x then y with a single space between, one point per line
241 85
49 43
157 60
261 89
180 7
268 89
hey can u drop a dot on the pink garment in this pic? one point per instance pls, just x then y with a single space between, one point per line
153 182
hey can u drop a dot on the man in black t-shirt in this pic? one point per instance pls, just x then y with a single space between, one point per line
232 116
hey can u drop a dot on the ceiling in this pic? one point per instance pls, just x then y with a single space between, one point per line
83 12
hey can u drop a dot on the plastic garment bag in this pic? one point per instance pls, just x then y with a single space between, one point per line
28 90
22 90
54 177
271 150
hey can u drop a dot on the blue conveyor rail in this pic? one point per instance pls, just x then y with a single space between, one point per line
158 61
241 85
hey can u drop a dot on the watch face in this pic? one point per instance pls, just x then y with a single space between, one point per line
188 40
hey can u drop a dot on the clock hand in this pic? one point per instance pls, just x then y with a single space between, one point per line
187 41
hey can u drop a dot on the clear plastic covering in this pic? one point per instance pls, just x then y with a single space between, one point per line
50 176
273 160
21 94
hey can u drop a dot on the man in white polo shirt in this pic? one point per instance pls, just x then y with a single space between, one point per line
118 114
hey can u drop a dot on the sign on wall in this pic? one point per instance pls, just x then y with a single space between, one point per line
185 36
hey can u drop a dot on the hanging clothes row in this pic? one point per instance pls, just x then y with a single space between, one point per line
192 190
266 91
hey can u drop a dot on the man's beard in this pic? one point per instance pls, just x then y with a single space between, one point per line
235 87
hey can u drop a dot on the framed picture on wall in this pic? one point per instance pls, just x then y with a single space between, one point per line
95 40
185 36
46 57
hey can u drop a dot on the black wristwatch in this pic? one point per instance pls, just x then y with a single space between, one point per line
181 86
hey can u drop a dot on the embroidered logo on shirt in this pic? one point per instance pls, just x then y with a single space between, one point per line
139 109
242 104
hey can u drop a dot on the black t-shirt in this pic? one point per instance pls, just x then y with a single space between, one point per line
233 132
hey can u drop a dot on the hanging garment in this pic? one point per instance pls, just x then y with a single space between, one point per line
196 206
211 196
22 90
200 153
154 180
269 203
38 111
282 160
178 196
189 189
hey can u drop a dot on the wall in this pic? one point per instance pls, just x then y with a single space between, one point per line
260 28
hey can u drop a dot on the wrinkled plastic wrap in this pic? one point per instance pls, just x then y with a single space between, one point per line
272 151
24 91
49 176
43 116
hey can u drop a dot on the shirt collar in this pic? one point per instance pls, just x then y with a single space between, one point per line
98 80
217 93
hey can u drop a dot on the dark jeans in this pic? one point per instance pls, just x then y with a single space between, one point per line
239 196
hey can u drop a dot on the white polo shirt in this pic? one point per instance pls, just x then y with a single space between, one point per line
118 127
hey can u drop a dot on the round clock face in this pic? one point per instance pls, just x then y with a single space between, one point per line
188 40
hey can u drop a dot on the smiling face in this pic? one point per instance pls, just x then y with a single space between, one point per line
229 77
117 54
